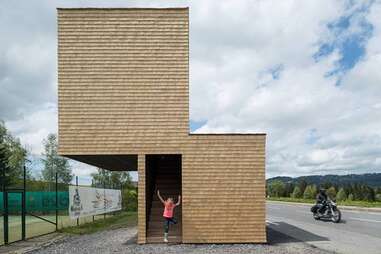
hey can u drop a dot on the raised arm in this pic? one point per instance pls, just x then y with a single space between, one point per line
178 201
160 198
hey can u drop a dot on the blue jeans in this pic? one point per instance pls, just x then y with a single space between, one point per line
168 221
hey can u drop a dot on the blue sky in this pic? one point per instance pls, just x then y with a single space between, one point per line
304 72
351 46
193 125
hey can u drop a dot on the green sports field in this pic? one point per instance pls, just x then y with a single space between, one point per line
35 226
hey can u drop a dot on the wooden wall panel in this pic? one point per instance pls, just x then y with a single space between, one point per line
123 79
223 189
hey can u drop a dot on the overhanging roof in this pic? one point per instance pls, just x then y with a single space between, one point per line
110 162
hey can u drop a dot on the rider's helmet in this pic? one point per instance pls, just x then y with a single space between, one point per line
322 191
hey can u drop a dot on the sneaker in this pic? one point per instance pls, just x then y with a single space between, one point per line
165 237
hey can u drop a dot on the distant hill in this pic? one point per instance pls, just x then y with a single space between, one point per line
372 180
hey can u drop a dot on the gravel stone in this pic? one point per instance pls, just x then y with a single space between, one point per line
123 240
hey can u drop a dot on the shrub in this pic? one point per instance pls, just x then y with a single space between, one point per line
350 197
297 193
310 192
378 197
276 189
368 193
341 195
331 192
130 200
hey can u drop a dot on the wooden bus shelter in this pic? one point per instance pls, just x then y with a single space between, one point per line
123 95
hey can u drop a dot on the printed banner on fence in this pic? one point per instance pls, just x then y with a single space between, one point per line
87 201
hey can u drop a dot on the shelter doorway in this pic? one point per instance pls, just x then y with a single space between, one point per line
163 172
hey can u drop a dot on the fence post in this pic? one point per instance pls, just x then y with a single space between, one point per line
5 218
23 206
5 205
93 186
56 201
104 198
121 196
76 183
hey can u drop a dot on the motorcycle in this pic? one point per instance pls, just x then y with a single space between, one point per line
328 210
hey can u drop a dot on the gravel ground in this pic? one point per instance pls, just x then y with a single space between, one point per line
124 241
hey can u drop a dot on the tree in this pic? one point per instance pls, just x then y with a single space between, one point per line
130 200
326 185
348 189
288 189
350 197
297 193
378 197
331 192
302 185
114 179
367 193
3 164
341 195
12 156
276 188
54 163
357 192
310 192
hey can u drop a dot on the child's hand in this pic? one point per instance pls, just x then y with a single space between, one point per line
178 200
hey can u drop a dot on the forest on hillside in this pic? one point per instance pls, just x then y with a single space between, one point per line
370 179
364 187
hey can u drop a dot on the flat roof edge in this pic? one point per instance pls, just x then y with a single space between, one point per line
122 8
229 134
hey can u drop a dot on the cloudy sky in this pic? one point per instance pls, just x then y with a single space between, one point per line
308 73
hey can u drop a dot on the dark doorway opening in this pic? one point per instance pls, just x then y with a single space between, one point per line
163 172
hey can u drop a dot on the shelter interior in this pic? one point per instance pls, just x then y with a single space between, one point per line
163 172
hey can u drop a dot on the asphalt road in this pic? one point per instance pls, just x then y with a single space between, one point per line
359 232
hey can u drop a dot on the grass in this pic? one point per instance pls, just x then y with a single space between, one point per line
33 226
296 200
360 203
342 203
36 227
123 219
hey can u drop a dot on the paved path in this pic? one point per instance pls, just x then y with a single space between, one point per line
359 231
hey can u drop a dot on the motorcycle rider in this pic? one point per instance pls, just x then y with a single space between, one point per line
321 200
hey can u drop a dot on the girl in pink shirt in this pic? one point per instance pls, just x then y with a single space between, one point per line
169 206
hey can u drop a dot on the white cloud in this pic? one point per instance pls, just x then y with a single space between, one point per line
303 98
32 128
235 48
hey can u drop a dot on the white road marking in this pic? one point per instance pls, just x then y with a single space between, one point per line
273 218
367 220
272 222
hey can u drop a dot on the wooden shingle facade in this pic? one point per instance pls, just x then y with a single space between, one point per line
123 89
